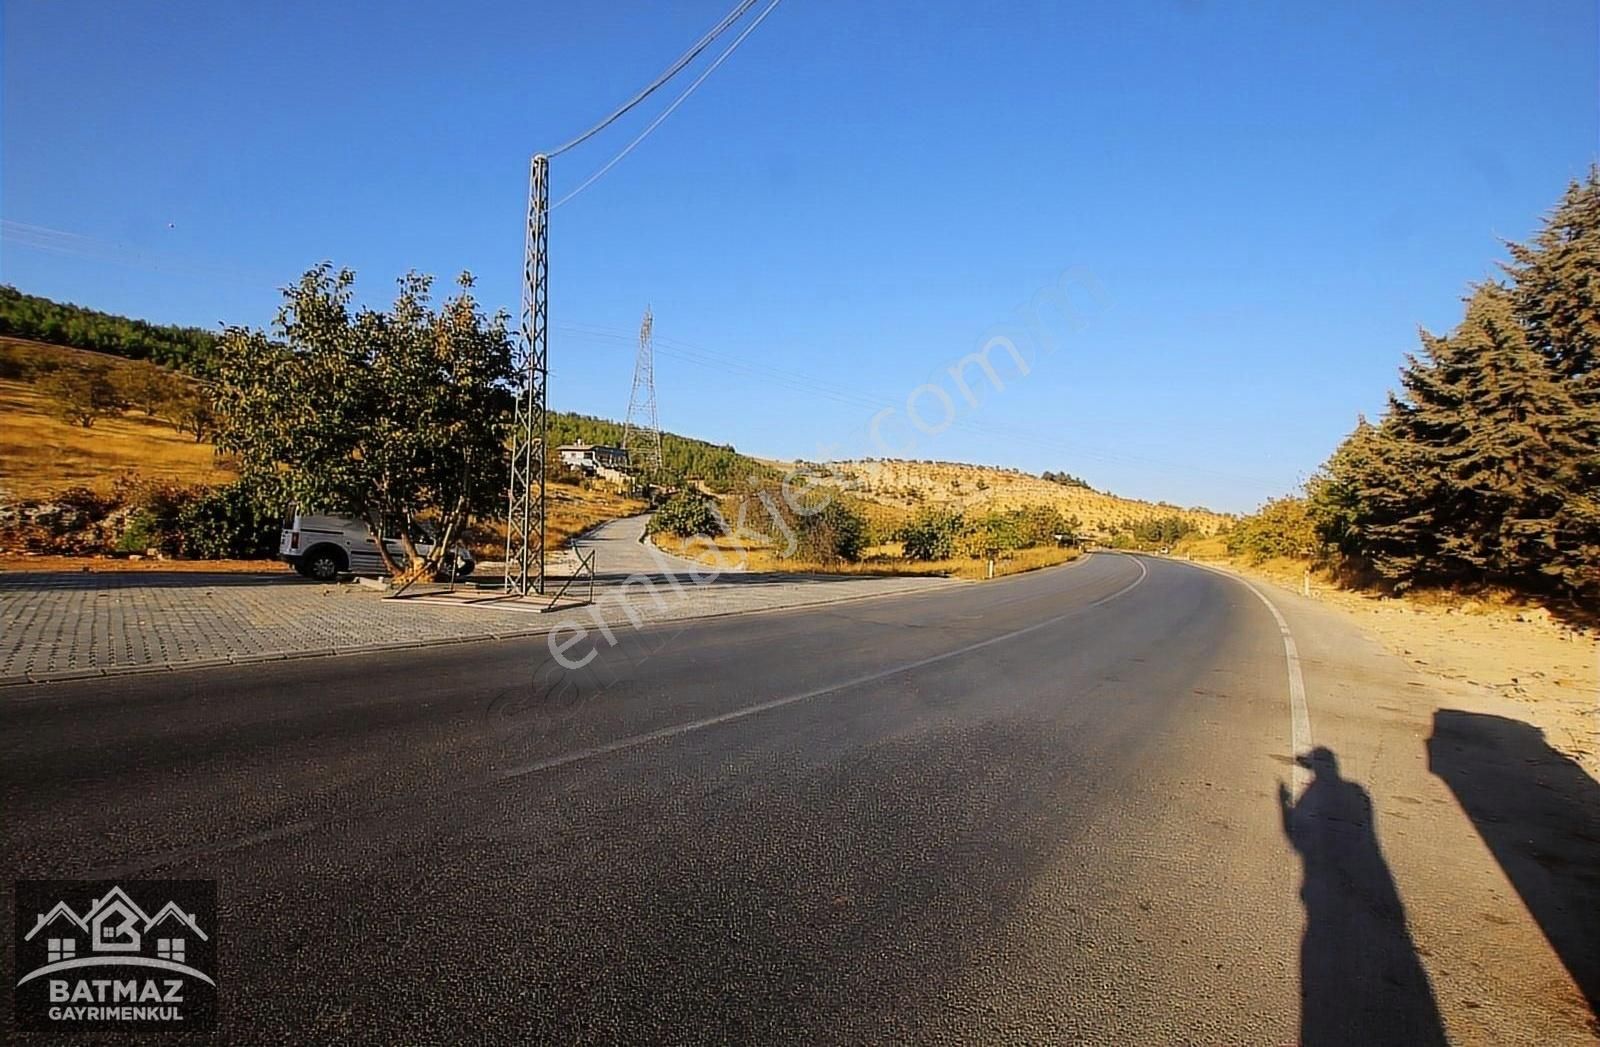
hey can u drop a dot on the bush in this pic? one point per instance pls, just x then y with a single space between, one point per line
931 534
1282 527
988 535
228 523
685 514
143 533
833 533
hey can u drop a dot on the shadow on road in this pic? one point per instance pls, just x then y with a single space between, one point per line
1360 979
18 581
1539 813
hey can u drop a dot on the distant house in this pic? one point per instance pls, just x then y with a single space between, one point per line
609 463
592 457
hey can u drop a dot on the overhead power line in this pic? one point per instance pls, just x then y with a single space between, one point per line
609 164
673 70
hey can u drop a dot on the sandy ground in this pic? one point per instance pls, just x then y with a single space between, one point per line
1548 669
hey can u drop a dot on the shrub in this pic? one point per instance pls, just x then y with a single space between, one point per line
833 533
990 534
685 514
143 532
930 535
1282 527
231 522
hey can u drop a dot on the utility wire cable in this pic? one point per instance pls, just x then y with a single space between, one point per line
673 70
668 110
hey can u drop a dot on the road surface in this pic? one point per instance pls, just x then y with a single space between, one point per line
1060 807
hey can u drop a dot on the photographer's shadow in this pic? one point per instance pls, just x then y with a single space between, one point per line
1539 812
1360 979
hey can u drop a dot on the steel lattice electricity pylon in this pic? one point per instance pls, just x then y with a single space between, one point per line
641 433
525 516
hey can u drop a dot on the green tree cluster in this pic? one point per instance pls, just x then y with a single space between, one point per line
1065 480
719 466
1161 530
940 534
1282 527
62 323
1485 467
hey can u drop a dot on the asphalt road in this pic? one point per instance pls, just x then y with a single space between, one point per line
1060 807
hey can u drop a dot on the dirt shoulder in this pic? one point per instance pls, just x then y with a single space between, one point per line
1548 669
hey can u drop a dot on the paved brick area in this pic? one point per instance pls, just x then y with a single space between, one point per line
55 625
63 623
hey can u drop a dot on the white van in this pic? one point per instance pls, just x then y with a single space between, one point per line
325 547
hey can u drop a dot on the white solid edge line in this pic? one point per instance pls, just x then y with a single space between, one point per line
634 741
1299 714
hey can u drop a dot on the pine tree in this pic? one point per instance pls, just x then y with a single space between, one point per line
1556 289
1509 463
1556 282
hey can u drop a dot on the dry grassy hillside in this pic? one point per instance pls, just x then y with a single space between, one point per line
41 455
909 485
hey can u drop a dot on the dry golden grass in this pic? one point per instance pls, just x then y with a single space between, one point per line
908 485
887 559
41 454
570 509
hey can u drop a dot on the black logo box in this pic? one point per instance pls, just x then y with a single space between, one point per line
33 1003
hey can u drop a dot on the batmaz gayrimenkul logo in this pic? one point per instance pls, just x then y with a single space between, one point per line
129 954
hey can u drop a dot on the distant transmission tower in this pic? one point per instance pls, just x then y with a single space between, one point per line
641 435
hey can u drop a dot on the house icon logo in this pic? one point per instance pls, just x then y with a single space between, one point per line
110 955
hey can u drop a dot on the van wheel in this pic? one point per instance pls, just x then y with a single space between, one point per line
323 564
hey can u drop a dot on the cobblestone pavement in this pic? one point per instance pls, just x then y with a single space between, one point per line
57 625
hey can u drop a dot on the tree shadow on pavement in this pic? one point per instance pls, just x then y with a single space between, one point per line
1360 979
1539 813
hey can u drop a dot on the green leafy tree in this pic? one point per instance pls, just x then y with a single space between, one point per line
685 514
391 416
1161 530
931 534
990 535
146 386
1281 527
189 411
832 533
1039 525
81 395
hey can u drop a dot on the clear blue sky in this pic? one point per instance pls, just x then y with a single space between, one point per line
1272 197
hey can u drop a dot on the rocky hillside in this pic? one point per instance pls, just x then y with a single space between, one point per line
909 485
